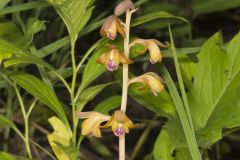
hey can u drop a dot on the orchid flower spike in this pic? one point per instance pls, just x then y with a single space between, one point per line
153 46
123 6
120 123
92 122
112 59
150 80
111 26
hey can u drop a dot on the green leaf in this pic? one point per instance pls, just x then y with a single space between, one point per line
214 99
7 156
183 117
7 50
108 104
92 69
206 6
3 3
100 147
61 136
5 122
161 104
155 15
88 94
183 153
188 69
162 147
22 7
40 90
74 14
11 32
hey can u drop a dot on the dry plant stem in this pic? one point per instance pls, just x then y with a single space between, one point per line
125 81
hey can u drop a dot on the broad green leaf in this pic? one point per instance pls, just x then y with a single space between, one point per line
92 69
7 50
206 6
6 122
210 80
10 32
162 147
214 96
3 3
108 104
22 7
155 15
183 117
183 154
188 69
100 147
88 94
42 91
73 13
7 156
60 135
161 104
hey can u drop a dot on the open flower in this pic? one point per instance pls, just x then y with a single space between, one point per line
92 122
111 26
153 46
150 80
112 59
120 123
123 6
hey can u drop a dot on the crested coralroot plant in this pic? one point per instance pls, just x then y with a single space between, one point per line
119 122
68 92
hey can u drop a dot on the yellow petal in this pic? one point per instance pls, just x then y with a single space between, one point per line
124 59
115 125
114 56
154 82
120 28
95 130
125 128
86 126
159 43
128 122
140 42
155 53
104 58
140 79
109 123
109 27
151 80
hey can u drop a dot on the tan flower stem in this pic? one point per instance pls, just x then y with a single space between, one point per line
125 80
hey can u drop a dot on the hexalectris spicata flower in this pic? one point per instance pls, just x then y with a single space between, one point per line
91 125
123 6
153 46
112 58
111 26
120 123
150 80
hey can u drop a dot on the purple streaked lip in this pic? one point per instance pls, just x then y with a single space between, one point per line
119 131
111 66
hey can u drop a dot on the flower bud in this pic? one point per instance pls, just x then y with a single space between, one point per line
111 26
153 46
123 6
150 80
